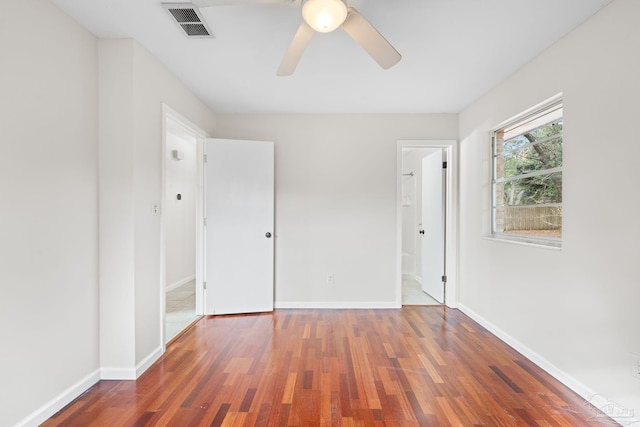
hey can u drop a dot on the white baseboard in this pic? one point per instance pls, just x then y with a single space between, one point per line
624 416
60 401
148 361
336 304
412 276
180 283
620 414
584 391
128 374
117 374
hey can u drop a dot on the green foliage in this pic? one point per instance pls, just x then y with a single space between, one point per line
536 150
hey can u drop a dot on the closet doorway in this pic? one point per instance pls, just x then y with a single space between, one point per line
181 219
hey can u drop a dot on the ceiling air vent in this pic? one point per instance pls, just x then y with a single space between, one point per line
188 17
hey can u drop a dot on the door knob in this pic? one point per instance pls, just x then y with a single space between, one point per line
268 235
421 231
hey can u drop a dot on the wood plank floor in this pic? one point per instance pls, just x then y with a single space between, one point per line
418 366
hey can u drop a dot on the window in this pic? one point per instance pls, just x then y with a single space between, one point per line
527 178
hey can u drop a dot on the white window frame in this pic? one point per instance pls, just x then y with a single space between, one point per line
539 110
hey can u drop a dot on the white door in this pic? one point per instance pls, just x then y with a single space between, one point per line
432 232
239 180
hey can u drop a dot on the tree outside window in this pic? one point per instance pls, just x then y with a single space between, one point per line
527 183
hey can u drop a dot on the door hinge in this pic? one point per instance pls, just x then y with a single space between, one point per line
205 222
204 285
205 158
444 279
444 165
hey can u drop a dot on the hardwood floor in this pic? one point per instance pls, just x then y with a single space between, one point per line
418 366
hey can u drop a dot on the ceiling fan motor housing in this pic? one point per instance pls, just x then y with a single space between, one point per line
324 16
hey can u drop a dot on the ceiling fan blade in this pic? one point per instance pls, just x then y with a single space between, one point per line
295 50
211 3
370 39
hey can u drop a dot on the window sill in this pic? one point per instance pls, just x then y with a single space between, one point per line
553 245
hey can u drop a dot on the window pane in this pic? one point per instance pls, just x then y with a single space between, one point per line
527 177
532 157
540 221
534 190
512 140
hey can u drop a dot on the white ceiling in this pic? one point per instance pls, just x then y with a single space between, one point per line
453 51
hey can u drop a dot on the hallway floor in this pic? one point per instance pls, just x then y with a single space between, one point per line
181 309
412 294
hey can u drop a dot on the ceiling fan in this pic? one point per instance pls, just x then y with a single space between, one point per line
325 16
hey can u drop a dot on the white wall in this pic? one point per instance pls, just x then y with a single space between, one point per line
410 210
48 212
180 215
576 308
133 87
336 200
116 198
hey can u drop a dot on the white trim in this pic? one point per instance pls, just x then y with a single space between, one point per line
45 412
64 398
597 400
181 282
120 374
411 276
451 146
131 374
523 242
540 172
127 374
584 391
529 111
336 304
148 361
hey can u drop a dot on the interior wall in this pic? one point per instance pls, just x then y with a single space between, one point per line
410 210
48 218
336 201
116 198
180 214
576 308
133 88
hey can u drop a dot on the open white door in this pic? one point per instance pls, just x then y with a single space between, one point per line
432 232
239 200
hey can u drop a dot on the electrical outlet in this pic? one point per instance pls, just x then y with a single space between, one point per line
635 365
331 279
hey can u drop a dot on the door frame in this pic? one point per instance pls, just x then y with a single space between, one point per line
169 114
451 215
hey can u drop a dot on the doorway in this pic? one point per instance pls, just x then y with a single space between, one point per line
181 219
426 240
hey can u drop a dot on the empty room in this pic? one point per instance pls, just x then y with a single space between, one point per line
319 213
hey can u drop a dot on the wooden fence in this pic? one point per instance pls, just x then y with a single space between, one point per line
532 218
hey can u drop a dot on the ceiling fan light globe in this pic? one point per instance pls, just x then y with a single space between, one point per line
324 16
